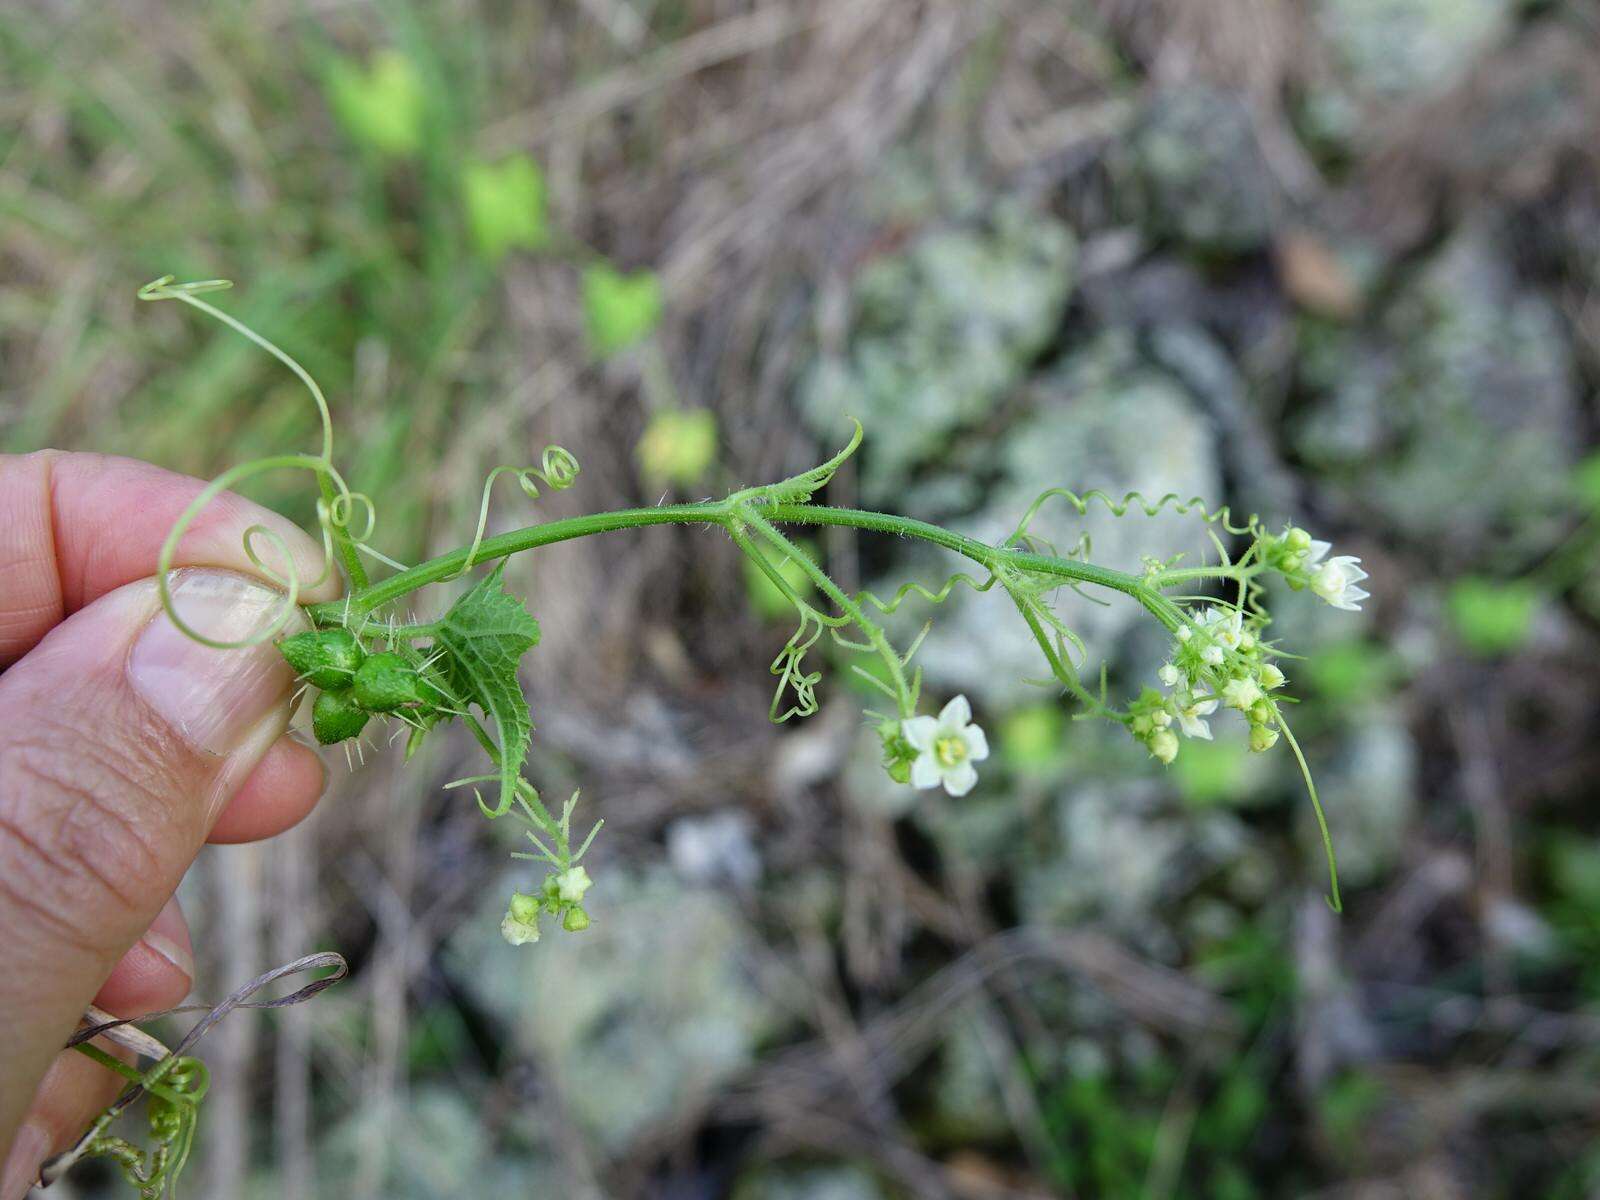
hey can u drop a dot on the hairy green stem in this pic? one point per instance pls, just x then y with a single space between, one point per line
364 600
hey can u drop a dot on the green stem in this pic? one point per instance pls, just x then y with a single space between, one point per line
365 600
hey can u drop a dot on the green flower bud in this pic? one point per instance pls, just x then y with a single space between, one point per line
336 716
1263 738
523 908
576 920
385 682
328 658
1260 713
1163 745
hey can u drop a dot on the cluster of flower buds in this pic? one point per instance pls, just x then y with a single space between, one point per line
561 897
1219 661
1304 563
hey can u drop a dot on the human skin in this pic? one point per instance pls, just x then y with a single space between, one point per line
124 746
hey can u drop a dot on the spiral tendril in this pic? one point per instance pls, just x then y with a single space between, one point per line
557 470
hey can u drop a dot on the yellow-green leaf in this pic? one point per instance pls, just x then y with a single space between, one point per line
619 309
505 204
381 105
677 447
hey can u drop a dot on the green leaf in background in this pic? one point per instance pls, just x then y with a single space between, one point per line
619 309
1033 739
505 206
381 105
677 447
1492 617
1586 478
1214 773
486 633
1349 672
765 597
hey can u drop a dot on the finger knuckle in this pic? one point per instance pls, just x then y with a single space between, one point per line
73 852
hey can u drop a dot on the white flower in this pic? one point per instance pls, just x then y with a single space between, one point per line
1240 693
521 924
1163 745
1335 580
572 883
1169 675
1271 677
1191 716
1226 625
946 746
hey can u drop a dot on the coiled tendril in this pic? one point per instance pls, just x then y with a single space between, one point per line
557 470
345 518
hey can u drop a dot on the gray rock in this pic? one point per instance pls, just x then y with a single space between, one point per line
715 848
1455 419
943 331
444 1151
639 1017
1103 420
1405 48
1201 176
1367 783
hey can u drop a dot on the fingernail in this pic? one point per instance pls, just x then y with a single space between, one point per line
168 936
212 697
28 1150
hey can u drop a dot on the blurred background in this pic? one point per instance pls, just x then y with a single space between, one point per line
1335 262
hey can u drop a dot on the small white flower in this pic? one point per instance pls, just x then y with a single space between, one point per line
1163 745
1271 677
1335 581
1169 675
572 883
1212 655
1240 693
1191 716
946 746
521 924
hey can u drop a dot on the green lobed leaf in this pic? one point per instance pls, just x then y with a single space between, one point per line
505 204
1492 617
381 105
619 309
485 634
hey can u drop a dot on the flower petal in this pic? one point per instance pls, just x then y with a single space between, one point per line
977 743
919 731
960 780
925 771
955 714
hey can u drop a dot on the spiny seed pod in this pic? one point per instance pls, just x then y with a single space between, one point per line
385 682
328 658
336 716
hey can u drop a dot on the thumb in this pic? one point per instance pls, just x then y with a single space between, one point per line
122 740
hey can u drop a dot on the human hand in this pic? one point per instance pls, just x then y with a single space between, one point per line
124 745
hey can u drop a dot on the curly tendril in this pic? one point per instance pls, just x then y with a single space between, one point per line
557 470
1171 502
345 518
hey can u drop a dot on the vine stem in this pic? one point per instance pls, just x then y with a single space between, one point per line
364 600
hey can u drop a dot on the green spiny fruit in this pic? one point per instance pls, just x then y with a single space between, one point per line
385 682
336 716
328 658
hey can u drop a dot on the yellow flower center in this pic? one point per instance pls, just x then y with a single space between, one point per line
950 750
